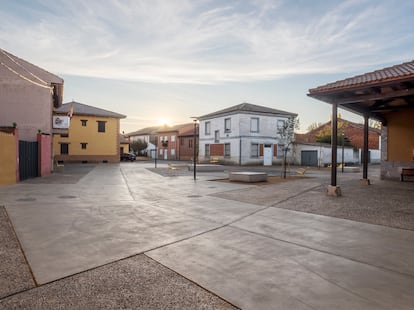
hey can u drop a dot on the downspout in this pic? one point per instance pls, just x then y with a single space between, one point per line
240 151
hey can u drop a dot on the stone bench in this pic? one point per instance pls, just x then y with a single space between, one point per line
248 177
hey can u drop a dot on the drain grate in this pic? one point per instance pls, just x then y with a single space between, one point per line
26 199
194 196
67 197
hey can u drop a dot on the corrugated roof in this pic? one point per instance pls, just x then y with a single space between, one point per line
398 72
247 108
83 109
26 71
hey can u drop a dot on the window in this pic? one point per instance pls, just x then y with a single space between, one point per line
64 148
64 135
207 128
101 126
172 152
216 136
83 122
161 151
280 150
190 143
227 150
83 145
164 141
280 125
172 138
161 139
227 125
254 124
207 150
254 150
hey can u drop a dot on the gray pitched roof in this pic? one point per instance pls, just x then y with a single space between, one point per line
144 131
83 109
246 108
179 128
25 70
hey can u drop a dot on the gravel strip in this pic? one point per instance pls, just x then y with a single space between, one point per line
134 283
15 275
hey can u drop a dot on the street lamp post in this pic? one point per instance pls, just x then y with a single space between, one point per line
195 119
343 138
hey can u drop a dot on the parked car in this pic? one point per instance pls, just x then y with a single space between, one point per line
128 156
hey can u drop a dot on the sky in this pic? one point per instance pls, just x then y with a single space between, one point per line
165 61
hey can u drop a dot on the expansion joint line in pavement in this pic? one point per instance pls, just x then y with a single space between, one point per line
272 206
126 183
188 279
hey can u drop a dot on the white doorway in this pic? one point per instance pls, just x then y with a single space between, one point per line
267 155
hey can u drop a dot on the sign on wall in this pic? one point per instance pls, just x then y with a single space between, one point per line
61 122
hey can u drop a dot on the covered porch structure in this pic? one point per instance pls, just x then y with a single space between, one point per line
386 95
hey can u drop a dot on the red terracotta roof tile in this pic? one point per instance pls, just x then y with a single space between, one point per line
397 72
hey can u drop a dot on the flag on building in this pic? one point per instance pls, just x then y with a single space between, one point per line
70 112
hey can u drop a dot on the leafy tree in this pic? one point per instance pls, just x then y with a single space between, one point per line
287 137
138 146
314 126
324 135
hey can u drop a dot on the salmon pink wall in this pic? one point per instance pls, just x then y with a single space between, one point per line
45 154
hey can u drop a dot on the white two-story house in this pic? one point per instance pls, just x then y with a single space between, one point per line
245 134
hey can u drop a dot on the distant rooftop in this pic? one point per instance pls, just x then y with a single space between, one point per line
84 109
247 108
144 131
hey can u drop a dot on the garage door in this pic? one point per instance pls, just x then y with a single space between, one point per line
309 158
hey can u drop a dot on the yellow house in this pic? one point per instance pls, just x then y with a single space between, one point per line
123 144
93 135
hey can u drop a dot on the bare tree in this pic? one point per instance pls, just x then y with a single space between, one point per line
138 146
287 137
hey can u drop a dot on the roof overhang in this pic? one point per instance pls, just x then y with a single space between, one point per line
374 98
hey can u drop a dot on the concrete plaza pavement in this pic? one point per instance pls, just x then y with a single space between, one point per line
122 220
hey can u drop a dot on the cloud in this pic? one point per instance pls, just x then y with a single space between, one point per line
206 41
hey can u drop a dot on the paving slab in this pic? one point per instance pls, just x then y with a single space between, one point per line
60 240
257 272
134 283
380 246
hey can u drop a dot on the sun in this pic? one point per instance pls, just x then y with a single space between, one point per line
164 121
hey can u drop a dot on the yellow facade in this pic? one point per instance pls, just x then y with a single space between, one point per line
124 147
86 143
401 136
8 158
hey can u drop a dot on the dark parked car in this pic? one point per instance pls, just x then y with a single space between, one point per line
128 156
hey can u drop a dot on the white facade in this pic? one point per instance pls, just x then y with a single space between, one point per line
321 154
150 150
240 138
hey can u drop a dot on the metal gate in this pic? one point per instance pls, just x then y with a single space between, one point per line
28 160
309 158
